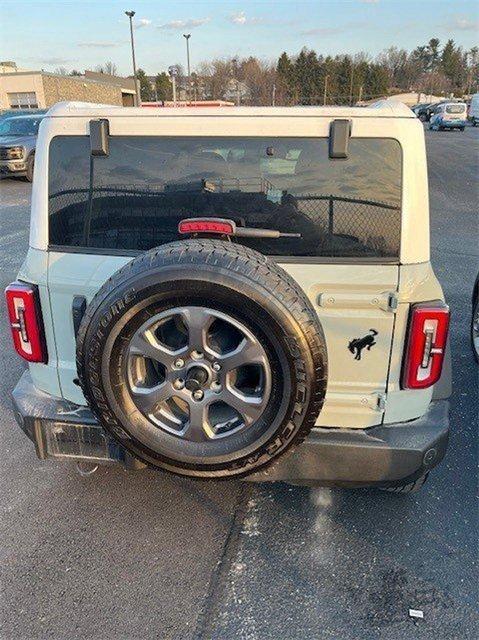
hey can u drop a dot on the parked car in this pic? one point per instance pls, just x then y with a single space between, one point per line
12 113
18 138
449 115
255 300
475 319
429 108
473 112
420 110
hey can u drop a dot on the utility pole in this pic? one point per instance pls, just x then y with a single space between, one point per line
325 93
351 85
234 84
187 37
174 90
173 71
360 93
130 15
469 75
273 97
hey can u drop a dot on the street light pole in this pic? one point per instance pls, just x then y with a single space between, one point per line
130 15
173 71
325 93
351 85
187 37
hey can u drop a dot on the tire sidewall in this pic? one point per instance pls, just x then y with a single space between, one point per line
30 167
114 318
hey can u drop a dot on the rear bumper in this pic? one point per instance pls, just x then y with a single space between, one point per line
384 456
452 124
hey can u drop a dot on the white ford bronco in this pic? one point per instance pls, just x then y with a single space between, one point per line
234 292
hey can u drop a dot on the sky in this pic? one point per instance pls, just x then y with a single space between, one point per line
80 35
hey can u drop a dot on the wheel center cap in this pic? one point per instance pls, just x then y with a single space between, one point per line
196 378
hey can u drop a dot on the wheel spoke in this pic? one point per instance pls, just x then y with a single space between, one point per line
247 352
249 407
198 321
145 344
148 399
198 428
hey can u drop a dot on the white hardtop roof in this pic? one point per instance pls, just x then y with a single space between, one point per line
381 109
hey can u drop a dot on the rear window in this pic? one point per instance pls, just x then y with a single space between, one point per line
455 108
134 199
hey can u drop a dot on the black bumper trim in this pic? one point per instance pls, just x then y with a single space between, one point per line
386 456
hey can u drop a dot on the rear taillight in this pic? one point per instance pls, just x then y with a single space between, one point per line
428 327
25 318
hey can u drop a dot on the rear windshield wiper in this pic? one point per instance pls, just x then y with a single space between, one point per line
226 227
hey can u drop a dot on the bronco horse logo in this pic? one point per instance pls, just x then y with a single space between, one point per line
358 344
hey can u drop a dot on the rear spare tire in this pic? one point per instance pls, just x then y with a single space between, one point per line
204 358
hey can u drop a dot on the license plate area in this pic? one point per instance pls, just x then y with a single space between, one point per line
73 441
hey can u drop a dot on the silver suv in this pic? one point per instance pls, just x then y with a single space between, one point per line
235 292
18 138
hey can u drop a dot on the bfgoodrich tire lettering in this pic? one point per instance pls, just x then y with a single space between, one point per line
231 282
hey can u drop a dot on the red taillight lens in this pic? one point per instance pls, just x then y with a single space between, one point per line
205 225
25 318
428 328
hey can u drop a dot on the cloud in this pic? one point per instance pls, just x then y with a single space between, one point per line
323 31
184 24
461 23
55 60
142 22
241 19
98 45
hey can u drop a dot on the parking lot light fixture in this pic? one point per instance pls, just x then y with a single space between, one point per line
187 37
130 15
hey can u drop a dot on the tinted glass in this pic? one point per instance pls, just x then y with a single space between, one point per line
455 108
134 198
19 126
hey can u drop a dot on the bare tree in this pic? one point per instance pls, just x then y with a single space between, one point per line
61 71
252 79
108 68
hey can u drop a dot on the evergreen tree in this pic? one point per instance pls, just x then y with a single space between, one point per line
452 64
285 81
146 91
164 90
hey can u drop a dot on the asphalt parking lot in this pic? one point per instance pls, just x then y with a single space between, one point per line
145 555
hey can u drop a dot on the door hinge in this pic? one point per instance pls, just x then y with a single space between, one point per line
381 401
387 301
393 302
367 402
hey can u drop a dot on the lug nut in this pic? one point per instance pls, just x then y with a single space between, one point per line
179 363
179 384
198 394
216 366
